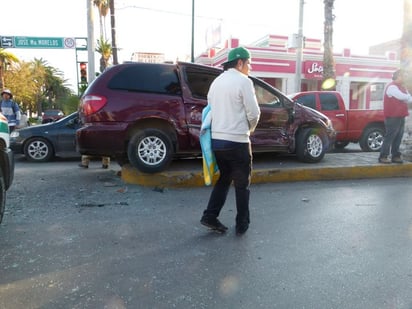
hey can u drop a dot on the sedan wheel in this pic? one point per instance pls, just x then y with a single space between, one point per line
38 150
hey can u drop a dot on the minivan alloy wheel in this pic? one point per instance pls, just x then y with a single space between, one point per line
150 150
310 145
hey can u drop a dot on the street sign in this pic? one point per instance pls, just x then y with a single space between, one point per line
43 42
6 41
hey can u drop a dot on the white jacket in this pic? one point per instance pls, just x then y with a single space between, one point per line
234 108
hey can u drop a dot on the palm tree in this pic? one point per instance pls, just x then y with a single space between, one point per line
105 49
37 85
5 59
103 8
328 60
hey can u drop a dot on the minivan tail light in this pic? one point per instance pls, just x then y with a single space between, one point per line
92 104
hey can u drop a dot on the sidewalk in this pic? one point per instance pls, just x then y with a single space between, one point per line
272 168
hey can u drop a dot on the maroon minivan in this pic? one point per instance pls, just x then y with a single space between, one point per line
148 114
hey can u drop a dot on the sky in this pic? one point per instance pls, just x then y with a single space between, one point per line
165 26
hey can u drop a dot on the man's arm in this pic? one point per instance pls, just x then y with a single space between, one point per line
394 91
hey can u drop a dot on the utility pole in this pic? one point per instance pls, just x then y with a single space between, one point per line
112 23
193 31
298 74
90 42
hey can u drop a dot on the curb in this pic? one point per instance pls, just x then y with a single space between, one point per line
194 177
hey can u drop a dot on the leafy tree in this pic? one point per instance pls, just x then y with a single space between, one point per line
6 58
328 60
36 86
19 78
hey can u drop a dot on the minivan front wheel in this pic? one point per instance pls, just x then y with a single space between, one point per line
150 150
310 145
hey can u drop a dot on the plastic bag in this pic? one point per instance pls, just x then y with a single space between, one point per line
209 161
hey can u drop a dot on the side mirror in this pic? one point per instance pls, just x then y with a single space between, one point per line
73 122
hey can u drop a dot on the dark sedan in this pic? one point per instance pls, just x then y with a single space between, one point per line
41 143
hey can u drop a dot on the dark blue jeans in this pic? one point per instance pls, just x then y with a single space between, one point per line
394 126
234 165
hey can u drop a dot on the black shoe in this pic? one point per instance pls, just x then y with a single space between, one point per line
241 228
83 166
397 160
384 160
213 224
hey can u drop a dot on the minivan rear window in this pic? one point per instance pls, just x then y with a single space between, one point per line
147 78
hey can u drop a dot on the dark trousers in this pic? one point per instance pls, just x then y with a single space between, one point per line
234 165
394 127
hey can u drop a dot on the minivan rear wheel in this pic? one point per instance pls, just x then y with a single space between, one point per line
150 150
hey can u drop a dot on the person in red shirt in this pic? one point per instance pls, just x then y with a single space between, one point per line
395 109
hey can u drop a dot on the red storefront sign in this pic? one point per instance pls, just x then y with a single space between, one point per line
313 69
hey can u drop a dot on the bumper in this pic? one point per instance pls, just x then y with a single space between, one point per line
102 139
16 145
7 164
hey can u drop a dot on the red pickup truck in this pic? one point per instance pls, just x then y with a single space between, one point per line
351 125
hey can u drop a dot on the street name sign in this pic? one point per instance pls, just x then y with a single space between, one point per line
43 42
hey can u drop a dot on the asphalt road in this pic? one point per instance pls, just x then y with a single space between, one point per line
75 238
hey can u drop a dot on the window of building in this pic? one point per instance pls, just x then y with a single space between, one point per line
377 91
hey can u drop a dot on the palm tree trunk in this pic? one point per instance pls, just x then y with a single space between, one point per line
113 26
328 60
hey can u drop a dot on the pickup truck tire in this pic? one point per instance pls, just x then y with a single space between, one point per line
310 145
38 150
372 139
150 150
2 196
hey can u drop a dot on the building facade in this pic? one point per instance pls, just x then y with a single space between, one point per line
360 79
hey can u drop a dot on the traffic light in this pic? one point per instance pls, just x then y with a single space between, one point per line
83 73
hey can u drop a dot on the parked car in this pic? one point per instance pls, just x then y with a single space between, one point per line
150 113
6 163
43 142
366 126
51 115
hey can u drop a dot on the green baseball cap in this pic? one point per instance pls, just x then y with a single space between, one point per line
238 53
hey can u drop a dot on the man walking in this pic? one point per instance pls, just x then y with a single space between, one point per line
10 109
395 109
234 115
